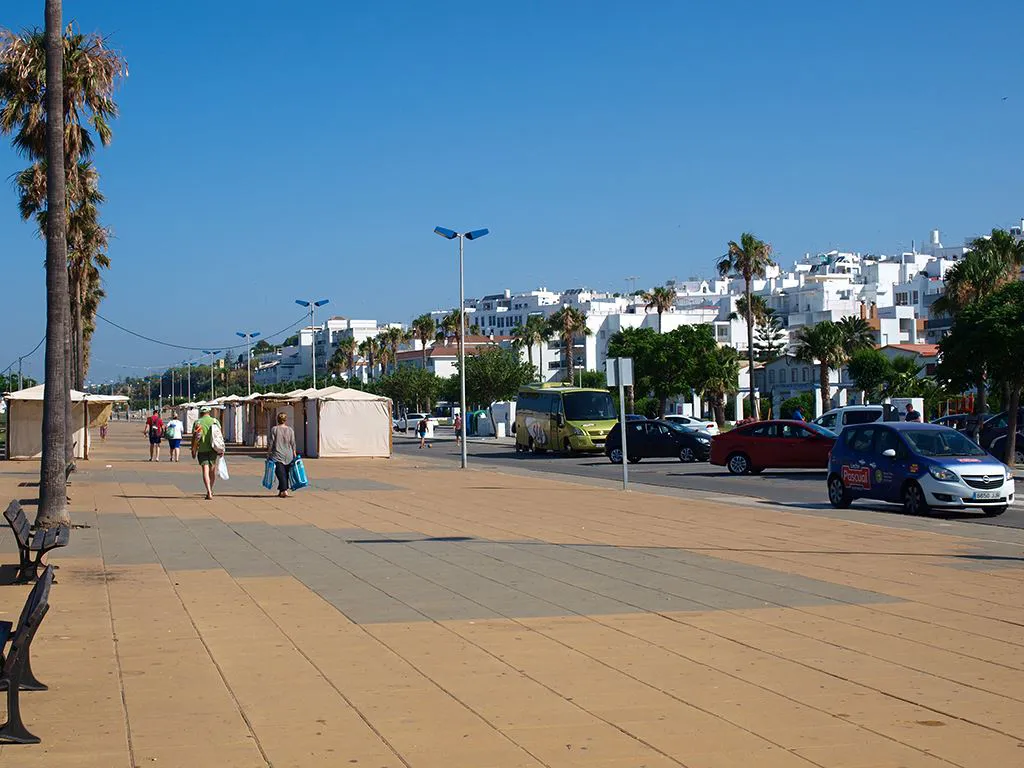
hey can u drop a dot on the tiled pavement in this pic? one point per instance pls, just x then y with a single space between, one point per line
401 613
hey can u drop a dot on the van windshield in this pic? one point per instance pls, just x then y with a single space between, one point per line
941 442
588 406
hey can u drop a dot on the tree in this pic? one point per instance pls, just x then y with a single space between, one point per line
759 309
661 299
369 349
449 327
493 374
720 378
870 371
568 323
263 347
903 379
344 357
639 344
748 259
393 338
772 339
383 349
822 344
857 333
593 380
424 328
534 332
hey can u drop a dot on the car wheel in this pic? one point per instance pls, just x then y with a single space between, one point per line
738 464
994 511
615 455
913 500
838 496
634 459
686 455
566 446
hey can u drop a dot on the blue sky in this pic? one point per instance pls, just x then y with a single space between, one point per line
268 151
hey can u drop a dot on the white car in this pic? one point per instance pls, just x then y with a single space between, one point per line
702 425
839 419
408 422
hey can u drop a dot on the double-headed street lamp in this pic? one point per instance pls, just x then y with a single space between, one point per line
449 234
248 363
189 364
211 353
312 305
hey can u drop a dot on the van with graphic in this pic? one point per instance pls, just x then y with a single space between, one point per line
560 417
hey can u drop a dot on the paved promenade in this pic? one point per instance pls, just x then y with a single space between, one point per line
405 613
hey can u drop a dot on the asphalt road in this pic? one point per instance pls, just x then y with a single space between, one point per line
801 488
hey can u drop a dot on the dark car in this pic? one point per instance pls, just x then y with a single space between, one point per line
650 439
778 444
957 421
993 435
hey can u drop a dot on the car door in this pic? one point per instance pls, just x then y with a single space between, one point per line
636 439
760 445
664 443
810 450
857 470
791 447
888 472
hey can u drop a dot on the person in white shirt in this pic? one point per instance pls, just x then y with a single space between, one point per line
173 430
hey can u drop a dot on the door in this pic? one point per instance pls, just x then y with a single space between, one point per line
859 462
663 442
636 439
888 472
795 449
761 445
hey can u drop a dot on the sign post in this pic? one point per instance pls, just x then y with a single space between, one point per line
619 371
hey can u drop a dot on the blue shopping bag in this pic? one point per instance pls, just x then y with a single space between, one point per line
297 475
268 475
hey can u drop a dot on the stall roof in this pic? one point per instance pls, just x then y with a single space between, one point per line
37 392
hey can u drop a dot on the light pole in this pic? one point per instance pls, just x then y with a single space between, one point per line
312 305
449 234
211 353
189 364
248 362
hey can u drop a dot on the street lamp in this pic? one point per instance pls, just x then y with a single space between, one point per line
449 234
189 364
312 305
211 353
248 363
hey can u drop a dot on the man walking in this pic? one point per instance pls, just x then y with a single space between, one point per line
154 431
202 448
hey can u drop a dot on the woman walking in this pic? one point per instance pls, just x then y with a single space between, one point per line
281 450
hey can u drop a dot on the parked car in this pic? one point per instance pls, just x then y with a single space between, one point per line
920 466
779 443
839 419
634 417
957 421
704 425
409 421
652 439
994 432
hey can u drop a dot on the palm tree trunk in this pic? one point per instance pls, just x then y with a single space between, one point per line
540 361
630 400
52 481
1012 408
79 338
571 370
529 356
754 410
980 403
423 341
826 394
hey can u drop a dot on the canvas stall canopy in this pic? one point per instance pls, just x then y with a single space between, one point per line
25 420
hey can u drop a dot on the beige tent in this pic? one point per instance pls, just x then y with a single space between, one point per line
25 420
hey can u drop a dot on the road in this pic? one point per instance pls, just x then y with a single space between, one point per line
799 488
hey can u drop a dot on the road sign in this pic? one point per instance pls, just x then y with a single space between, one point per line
617 368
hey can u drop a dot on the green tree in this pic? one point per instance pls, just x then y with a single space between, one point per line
823 344
719 378
567 324
684 360
857 334
804 401
493 374
661 299
903 379
534 332
640 344
772 339
593 380
369 349
748 259
870 371
424 328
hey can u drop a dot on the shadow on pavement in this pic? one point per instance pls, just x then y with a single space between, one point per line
935 514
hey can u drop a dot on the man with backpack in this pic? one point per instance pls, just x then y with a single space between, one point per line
154 431
207 447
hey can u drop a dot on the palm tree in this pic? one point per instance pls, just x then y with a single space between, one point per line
823 344
568 323
534 332
344 356
368 349
393 338
748 259
424 328
759 306
857 334
661 299
383 348
720 380
449 327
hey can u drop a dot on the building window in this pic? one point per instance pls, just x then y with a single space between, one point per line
792 376
929 369
915 297
803 374
771 377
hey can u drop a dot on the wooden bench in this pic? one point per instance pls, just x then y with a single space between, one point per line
16 668
40 542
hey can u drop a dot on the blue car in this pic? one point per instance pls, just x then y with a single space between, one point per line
921 466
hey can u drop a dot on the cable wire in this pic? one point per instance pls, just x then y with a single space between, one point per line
225 347
22 357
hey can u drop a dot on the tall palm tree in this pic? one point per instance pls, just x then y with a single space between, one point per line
568 323
719 380
748 259
345 352
823 344
661 299
449 327
393 338
759 308
368 348
383 350
424 328
534 332
857 334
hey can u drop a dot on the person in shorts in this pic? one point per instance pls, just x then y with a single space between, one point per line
154 431
173 431
202 449
421 430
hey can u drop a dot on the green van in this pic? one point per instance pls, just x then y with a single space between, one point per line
561 417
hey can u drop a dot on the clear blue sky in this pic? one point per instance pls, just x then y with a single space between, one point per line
269 150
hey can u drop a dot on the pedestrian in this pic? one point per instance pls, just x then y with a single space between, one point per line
103 432
798 414
173 431
912 415
421 430
154 431
281 450
458 429
202 448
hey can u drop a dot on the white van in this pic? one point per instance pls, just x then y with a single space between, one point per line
839 418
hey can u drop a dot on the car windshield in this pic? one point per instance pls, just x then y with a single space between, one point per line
941 442
818 429
588 406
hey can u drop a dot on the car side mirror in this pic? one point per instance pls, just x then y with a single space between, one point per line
889 453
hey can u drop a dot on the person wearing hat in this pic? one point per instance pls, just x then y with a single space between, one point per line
202 448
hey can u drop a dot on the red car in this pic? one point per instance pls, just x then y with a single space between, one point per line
777 444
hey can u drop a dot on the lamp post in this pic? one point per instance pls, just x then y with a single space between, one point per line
189 364
248 361
312 305
211 353
449 234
